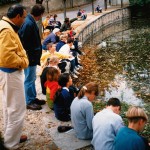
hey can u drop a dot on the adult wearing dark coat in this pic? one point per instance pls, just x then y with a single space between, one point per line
30 38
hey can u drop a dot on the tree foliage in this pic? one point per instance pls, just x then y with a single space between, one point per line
139 2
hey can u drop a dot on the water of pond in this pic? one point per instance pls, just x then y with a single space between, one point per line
124 64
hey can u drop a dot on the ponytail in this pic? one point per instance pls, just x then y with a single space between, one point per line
88 88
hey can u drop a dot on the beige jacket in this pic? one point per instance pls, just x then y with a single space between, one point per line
12 53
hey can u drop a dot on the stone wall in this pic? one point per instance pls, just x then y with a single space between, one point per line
86 31
118 2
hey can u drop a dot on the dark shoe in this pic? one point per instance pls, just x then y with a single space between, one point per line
23 138
39 102
64 128
34 107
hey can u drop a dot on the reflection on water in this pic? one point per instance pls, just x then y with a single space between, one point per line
122 91
124 65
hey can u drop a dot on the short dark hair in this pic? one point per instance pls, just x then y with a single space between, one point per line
114 102
63 79
69 40
14 10
37 10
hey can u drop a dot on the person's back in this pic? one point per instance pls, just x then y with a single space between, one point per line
79 109
79 13
63 98
29 35
51 38
82 111
51 85
128 139
59 45
106 124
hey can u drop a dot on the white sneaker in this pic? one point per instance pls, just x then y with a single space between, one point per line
78 58
73 75
80 44
83 53
76 72
80 67
77 68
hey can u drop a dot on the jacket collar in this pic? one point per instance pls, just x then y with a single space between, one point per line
16 28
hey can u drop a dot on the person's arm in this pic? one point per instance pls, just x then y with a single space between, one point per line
13 55
53 39
89 116
62 28
118 124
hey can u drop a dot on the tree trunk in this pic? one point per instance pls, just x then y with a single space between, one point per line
105 3
47 6
64 9
121 3
92 7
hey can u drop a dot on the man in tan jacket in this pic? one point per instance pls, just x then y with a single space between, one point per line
13 60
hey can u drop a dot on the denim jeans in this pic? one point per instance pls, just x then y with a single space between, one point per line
72 65
29 83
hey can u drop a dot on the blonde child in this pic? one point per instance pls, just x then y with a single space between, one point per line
128 138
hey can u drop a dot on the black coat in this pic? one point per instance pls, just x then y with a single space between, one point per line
31 41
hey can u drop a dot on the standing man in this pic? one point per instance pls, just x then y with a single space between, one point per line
29 35
106 124
13 60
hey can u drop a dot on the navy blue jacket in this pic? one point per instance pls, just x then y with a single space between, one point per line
30 38
62 105
59 45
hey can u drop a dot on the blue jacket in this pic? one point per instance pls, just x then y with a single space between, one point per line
59 45
31 41
128 139
62 104
51 38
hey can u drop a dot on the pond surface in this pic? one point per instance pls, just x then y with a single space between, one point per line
124 61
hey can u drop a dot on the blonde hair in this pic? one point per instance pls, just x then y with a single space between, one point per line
135 113
63 36
54 59
89 88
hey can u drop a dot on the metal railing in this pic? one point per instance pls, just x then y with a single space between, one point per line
102 22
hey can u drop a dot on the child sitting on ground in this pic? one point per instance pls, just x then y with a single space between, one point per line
51 85
63 98
82 111
51 62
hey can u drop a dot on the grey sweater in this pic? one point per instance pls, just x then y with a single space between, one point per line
81 117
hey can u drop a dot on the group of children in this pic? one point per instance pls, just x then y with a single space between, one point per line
69 103
60 63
